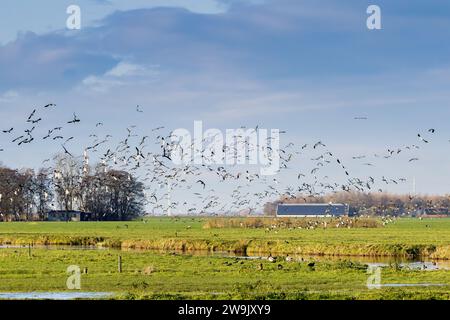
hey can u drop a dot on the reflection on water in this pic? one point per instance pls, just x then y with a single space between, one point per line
53 295
51 247
400 285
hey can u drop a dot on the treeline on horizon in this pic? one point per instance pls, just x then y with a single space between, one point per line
71 185
374 204
109 195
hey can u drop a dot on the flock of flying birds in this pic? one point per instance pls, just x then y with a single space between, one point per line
201 186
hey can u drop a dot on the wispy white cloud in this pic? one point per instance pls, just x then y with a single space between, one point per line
8 96
123 74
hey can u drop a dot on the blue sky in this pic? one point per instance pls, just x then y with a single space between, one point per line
308 67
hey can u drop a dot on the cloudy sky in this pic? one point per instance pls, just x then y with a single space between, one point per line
305 66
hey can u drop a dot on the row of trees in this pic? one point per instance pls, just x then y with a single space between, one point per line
375 203
20 194
70 186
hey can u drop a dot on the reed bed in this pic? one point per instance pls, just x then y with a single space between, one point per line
293 223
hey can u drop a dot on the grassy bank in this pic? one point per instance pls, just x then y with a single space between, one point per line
405 237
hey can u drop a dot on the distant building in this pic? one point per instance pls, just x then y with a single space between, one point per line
68 216
312 210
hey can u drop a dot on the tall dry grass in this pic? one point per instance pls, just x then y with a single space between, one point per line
292 223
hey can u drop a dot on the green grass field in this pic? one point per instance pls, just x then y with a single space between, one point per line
429 237
172 275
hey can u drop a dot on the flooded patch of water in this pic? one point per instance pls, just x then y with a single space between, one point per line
52 247
54 295
416 265
401 285
421 264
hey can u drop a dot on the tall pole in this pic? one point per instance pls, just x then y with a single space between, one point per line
85 162
169 204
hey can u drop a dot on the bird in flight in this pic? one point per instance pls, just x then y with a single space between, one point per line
421 138
65 151
202 183
74 120
31 115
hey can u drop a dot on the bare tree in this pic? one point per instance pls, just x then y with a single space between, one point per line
42 188
113 195
67 178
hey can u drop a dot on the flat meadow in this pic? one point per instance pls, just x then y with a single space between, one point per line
177 258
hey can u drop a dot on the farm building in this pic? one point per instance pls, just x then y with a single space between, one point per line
68 216
312 210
